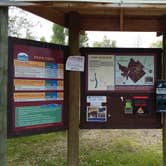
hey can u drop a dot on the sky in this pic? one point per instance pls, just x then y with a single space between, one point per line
123 39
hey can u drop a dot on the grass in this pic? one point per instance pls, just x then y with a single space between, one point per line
97 148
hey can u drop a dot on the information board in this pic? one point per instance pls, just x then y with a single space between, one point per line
36 82
161 96
118 88
121 72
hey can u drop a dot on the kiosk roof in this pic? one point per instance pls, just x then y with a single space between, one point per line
104 15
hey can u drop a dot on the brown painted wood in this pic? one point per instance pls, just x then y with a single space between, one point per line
113 24
115 106
164 114
121 19
164 77
73 21
3 81
136 17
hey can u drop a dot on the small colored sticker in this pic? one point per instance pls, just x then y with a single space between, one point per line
128 106
22 56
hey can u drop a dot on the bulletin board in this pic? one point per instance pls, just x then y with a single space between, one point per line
118 88
37 82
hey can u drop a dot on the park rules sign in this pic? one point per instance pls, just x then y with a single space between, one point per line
36 87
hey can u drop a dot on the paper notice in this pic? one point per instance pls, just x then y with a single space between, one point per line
75 63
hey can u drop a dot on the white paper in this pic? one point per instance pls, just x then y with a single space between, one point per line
75 63
96 100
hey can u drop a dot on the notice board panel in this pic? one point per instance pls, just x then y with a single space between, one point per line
37 82
118 88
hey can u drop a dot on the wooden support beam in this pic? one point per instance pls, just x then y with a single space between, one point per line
121 19
109 23
164 114
3 82
163 22
73 22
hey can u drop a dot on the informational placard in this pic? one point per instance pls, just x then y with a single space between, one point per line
37 87
37 115
161 96
121 72
101 72
134 70
118 88
96 112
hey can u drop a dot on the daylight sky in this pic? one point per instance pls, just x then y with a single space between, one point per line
123 39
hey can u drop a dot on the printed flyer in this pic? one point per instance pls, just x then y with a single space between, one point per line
96 100
96 114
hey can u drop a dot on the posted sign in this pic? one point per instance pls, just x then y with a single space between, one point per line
118 88
36 87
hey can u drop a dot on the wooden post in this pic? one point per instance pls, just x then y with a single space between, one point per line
164 114
3 81
73 21
163 22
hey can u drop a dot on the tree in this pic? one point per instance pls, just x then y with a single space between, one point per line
59 34
84 40
105 43
157 44
19 24
43 39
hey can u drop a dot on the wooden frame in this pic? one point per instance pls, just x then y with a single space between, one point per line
15 131
120 119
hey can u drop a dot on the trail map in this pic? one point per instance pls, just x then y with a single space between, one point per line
134 70
101 72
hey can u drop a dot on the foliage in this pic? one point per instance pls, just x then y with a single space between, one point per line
84 40
43 39
157 44
59 34
105 43
19 24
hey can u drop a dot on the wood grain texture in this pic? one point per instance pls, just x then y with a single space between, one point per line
163 21
73 21
3 82
104 16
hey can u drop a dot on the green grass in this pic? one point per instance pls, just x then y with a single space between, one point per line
121 154
97 148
